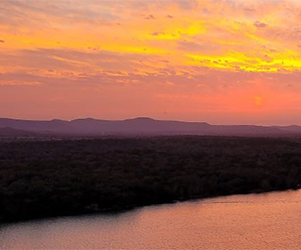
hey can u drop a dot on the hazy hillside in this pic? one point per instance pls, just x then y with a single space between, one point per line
143 126
10 132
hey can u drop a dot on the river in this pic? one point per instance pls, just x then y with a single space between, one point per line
256 221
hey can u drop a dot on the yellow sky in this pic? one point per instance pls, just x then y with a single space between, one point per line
220 61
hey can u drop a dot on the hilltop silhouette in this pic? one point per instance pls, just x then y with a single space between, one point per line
143 126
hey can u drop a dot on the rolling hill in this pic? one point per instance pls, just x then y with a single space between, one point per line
141 126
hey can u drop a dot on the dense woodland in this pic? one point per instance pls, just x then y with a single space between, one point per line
66 177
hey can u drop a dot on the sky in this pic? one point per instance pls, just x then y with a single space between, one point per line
218 61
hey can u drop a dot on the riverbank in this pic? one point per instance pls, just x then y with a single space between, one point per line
231 222
57 178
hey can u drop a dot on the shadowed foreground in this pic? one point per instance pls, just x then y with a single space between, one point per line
54 178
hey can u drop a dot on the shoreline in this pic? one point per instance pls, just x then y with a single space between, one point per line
111 212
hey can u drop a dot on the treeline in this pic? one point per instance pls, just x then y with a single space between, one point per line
54 178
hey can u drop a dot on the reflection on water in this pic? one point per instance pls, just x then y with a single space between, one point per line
265 221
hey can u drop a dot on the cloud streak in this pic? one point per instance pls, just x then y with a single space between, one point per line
208 46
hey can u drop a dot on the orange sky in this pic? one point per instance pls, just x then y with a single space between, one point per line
220 61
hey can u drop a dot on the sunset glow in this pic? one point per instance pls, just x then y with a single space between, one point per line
219 61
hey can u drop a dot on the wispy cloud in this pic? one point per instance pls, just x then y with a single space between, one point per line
210 46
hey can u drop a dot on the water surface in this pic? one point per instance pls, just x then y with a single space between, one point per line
264 221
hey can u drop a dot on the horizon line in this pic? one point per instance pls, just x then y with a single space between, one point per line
144 117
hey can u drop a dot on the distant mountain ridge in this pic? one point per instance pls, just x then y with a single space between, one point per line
143 126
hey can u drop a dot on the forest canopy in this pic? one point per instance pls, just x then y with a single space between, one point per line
68 177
